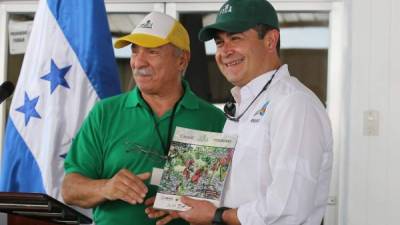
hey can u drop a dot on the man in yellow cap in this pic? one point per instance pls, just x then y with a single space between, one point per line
125 137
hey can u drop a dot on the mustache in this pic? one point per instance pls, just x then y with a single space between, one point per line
142 71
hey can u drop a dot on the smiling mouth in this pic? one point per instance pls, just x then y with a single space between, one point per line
234 63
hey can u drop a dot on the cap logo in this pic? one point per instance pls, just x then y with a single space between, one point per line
147 24
225 9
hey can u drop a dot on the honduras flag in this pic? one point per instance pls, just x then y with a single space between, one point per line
68 66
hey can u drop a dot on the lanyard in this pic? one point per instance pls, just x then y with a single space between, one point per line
171 121
230 107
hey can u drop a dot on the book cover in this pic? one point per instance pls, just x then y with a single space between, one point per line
197 165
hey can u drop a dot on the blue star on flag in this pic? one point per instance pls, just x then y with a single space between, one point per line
28 108
56 76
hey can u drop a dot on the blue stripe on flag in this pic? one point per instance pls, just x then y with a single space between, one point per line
21 172
90 38
53 94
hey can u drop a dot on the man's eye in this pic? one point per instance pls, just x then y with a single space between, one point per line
154 52
235 37
218 43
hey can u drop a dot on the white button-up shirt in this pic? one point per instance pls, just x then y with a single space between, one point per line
282 164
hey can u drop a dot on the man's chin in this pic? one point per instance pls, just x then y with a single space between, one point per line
143 80
146 89
233 79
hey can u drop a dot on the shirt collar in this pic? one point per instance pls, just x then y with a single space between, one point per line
251 89
134 98
189 100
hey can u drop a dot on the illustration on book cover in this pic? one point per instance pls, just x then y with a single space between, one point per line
197 165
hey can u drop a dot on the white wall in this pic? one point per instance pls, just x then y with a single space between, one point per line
371 194
3 219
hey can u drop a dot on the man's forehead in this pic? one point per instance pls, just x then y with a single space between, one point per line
166 46
221 33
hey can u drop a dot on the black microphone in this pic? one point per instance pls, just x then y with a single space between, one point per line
6 89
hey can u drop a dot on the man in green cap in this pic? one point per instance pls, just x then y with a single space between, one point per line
126 136
282 164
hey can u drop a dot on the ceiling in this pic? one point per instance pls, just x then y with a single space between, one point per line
124 23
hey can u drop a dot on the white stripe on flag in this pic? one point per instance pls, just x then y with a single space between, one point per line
63 110
54 93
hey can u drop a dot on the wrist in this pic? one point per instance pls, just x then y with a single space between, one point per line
218 216
102 190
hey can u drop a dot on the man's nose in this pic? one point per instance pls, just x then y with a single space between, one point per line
139 60
227 48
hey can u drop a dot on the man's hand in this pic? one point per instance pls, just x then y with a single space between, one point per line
201 212
165 216
126 186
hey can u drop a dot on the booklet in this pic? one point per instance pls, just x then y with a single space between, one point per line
197 165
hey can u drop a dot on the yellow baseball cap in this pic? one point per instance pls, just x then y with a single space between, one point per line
157 29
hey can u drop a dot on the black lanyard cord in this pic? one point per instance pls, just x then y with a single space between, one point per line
171 121
230 107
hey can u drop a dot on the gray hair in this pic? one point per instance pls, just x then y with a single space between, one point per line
178 53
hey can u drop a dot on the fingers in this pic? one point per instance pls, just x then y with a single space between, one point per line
150 211
144 176
165 216
200 212
135 182
153 213
150 201
133 188
188 201
126 186
166 219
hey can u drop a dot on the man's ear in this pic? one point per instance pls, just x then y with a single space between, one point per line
184 60
271 39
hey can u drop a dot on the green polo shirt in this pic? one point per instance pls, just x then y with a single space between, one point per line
120 132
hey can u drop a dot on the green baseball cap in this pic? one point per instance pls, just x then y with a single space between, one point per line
241 15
